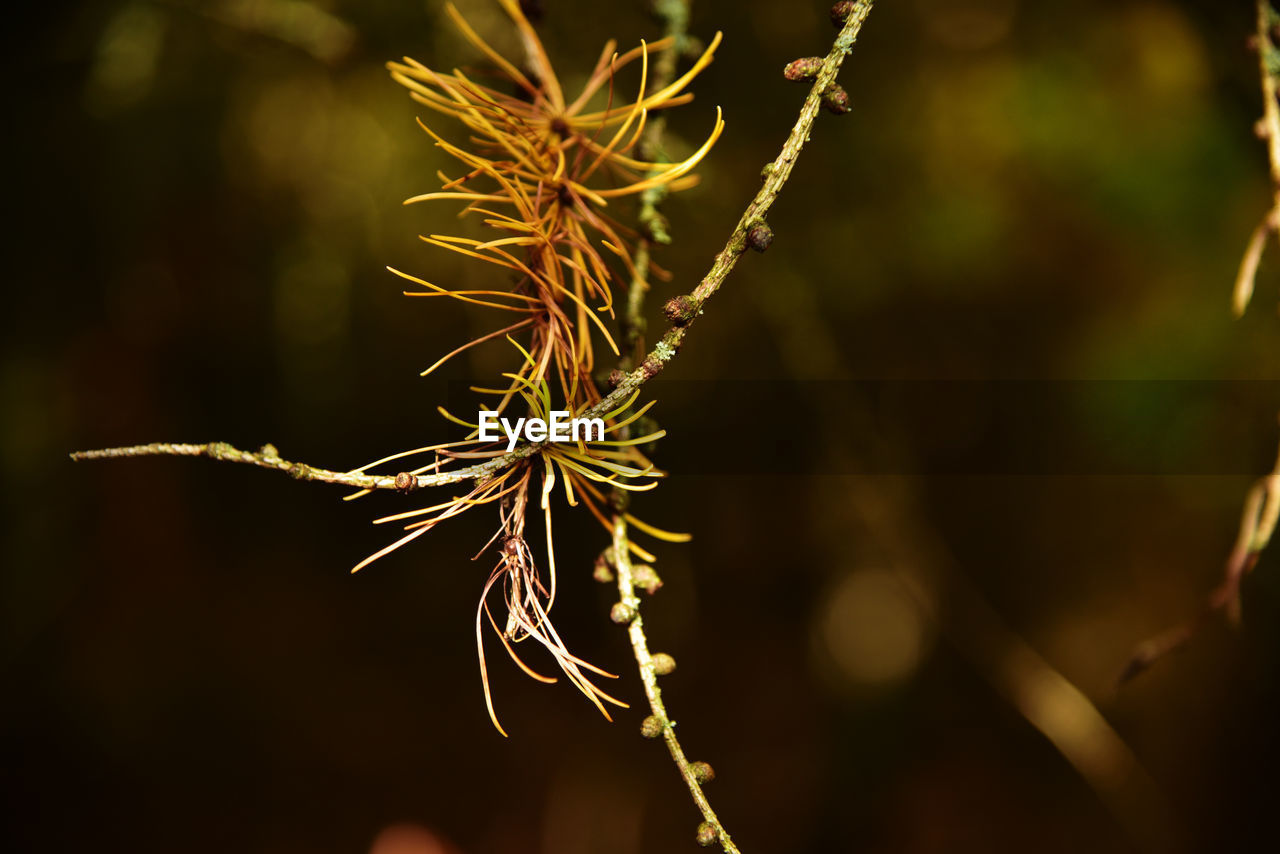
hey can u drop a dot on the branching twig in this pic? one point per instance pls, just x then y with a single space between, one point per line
675 17
682 311
1257 524
268 457
1262 505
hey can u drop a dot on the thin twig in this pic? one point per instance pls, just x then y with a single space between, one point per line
640 645
1268 59
268 457
885 513
1257 524
675 17
689 307
1270 107
776 175
1262 504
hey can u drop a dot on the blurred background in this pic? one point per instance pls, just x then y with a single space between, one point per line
978 423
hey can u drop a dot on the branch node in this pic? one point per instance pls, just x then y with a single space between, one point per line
805 68
219 451
840 12
836 100
708 834
680 310
651 367
759 236
646 579
622 613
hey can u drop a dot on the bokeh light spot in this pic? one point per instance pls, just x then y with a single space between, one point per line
872 630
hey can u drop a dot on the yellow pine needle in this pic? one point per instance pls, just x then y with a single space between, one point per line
480 340
616 468
537 55
657 533
667 93
666 176
388 549
636 109
495 57
641 440
612 479
529 671
480 197
625 405
455 419
534 161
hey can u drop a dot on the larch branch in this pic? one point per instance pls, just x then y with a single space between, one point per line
776 175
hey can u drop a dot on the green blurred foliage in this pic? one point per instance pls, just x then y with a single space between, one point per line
206 197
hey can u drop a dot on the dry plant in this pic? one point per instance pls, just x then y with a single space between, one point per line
540 170
1262 503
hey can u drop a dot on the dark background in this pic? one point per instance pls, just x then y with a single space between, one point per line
1002 282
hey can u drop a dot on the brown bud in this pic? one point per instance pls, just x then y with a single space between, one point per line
759 236
223 451
616 376
708 835
836 100
680 310
651 367
622 613
651 726
702 772
802 69
663 664
602 572
646 579
840 13
406 482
